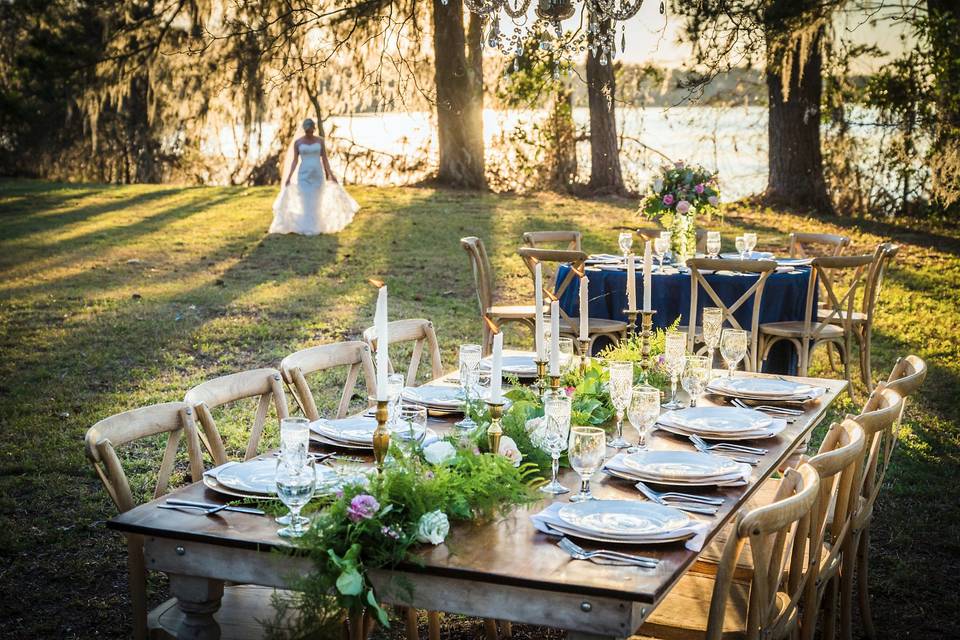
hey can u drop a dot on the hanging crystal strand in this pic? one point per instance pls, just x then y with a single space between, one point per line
623 38
662 8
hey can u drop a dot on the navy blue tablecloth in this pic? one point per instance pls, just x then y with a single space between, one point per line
784 299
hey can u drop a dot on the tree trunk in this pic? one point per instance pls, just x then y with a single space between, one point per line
562 137
459 103
605 175
793 129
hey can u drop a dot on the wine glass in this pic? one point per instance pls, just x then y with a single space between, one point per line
749 242
586 453
696 375
470 355
660 247
294 437
674 350
412 425
621 386
733 347
296 480
713 243
566 353
625 240
667 237
552 437
741 245
712 326
394 391
643 413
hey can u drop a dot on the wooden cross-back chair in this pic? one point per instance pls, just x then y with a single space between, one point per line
536 239
879 419
421 333
845 274
753 295
177 421
812 245
354 355
861 320
780 535
263 384
614 330
484 283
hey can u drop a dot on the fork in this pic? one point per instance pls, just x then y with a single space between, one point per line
579 553
733 455
205 511
693 506
676 495
700 443
766 408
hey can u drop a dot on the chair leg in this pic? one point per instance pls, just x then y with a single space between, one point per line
830 609
863 585
433 625
846 587
866 367
410 619
137 577
507 627
490 629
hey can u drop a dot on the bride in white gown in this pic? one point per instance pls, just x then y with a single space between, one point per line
315 202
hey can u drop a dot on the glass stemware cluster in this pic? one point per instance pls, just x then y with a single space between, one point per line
643 413
733 347
661 245
625 240
296 476
713 243
553 434
586 453
695 377
621 390
712 325
675 350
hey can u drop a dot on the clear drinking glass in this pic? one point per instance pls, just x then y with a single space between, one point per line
733 347
713 243
749 241
621 386
674 351
552 437
470 356
643 413
712 324
394 391
566 353
625 240
296 481
660 247
412 425
667 237
294 437
741 245
696 375
586 453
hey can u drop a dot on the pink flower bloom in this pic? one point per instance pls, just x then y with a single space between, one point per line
362 507
678 165
570 391
699 188
390 532
668 199
713 201
683 207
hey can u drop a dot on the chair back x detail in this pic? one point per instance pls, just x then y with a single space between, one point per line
353 355
553 289
421 333
263 384
811 245
536 239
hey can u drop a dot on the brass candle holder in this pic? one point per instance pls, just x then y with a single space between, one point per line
631 320
381 435
495 430
541 382
584 354
554 383
646 333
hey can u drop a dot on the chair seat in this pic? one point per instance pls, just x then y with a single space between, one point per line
244 610
686 609
597 325
794 329
512 311
824 315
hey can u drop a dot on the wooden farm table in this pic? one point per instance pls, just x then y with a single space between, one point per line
505 570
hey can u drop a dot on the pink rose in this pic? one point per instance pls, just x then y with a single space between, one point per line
713 201
699 188
668 199
683 207
362 507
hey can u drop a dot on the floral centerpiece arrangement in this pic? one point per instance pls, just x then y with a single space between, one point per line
675 198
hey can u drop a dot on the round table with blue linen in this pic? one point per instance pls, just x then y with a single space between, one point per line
784 299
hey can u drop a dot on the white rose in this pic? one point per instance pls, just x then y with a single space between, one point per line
433 527
509 450
657 185
440 452
534 424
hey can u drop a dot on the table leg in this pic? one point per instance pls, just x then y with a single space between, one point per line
199 600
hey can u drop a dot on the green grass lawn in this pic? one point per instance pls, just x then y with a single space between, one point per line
116 297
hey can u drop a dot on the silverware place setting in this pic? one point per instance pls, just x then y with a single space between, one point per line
690 502
579 553
779 411
208 508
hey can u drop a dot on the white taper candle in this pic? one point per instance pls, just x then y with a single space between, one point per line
383 342
647 276
584 308
538 301
554 338
496 376
631 284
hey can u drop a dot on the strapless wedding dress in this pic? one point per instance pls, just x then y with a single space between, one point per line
312 205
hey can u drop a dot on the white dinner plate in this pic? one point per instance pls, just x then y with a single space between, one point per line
680 465
598 537
257 476
728 481
435 396
518 363
359 430
776 428
750 255
772 387
622 518
718 419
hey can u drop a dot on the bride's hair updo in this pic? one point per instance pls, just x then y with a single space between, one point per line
309 124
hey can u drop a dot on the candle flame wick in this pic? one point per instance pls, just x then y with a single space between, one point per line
376 283
493 325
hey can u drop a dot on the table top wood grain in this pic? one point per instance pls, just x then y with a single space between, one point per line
508 551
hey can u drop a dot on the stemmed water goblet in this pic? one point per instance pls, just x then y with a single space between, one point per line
395 385
621 387
675 348
696 375
667 237
414 418
470 355
741 245
625 240
294 445
586 452
660 247
712 324
296 481
553 435
643 413
749 242
713 243
733 348
566 353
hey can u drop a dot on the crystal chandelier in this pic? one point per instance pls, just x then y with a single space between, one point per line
550 15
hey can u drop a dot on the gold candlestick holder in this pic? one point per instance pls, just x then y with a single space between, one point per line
495 430
631 320
584 354
555 383
646 333
541 382
381 435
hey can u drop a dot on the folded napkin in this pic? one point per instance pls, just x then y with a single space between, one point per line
543 520
735 479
